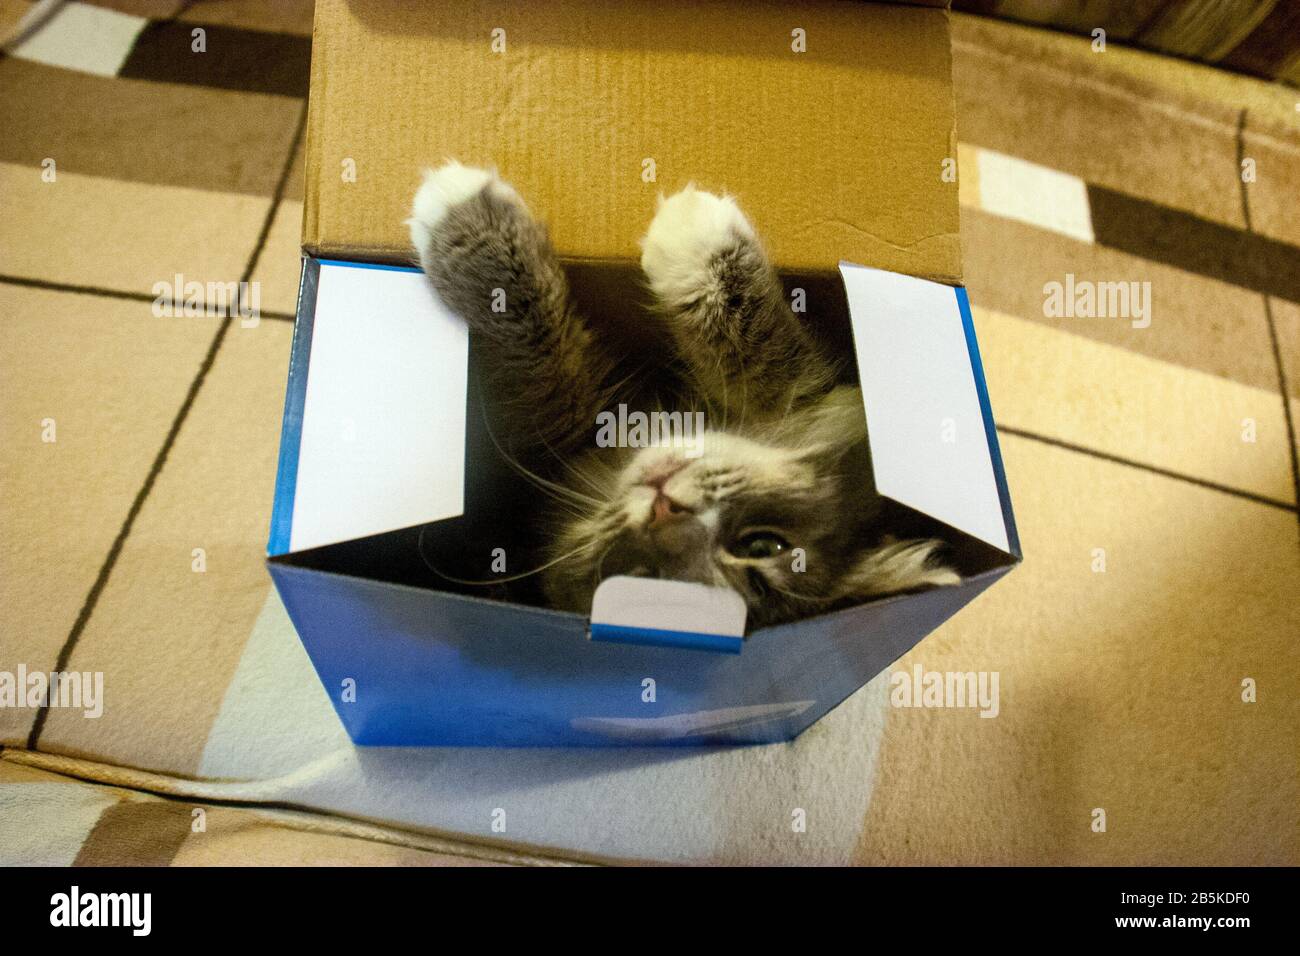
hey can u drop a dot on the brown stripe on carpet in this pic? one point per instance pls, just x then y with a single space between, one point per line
110 405
106 569
1196 322
227 310
1144 466
1274 338
234 59
294 186
149 9
253 837
1203 31
1198 245
1286 321
1120 18
12 13
1271 49
1275 149
101 232
209 616
1118 402
141 132
136 833
1253 36
1049 100
282 16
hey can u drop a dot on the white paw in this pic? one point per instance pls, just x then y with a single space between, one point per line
444 187
901 566
688 230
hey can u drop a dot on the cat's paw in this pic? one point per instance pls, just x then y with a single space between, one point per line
690 229
443 188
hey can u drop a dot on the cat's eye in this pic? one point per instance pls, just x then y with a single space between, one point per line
759 544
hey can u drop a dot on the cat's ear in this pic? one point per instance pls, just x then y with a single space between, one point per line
898 566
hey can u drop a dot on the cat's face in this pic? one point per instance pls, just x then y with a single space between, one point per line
782 518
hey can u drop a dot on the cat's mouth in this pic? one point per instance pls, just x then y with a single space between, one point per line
675 547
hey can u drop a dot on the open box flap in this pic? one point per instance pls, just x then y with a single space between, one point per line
374 425
933 444
830 118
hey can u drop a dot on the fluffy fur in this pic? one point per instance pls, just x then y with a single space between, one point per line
775 502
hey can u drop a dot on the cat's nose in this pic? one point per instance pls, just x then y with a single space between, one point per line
665 509
657 476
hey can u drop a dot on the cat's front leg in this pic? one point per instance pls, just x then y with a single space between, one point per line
492 263
749 352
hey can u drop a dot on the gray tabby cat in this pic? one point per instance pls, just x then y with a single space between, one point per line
783 464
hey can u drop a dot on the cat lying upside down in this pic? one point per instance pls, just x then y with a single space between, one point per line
782 463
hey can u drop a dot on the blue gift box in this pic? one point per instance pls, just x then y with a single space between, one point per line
379 465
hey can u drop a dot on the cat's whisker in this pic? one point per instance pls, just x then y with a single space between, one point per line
559 492
784 592
578 473
500 580
542 483
598 569
617 386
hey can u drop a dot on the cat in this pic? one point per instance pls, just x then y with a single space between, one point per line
775 500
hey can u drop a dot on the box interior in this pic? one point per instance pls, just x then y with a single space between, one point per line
498 499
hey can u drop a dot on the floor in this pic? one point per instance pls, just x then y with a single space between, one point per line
1147 647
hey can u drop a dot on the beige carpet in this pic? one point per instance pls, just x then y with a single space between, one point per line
1152 468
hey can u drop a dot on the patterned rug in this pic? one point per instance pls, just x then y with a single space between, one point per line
1133 252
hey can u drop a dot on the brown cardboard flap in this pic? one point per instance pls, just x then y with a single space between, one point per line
835 153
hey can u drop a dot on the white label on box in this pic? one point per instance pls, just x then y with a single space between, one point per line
929 449
383 424
666 605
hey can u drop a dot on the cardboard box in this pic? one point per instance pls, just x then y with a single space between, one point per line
836 153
